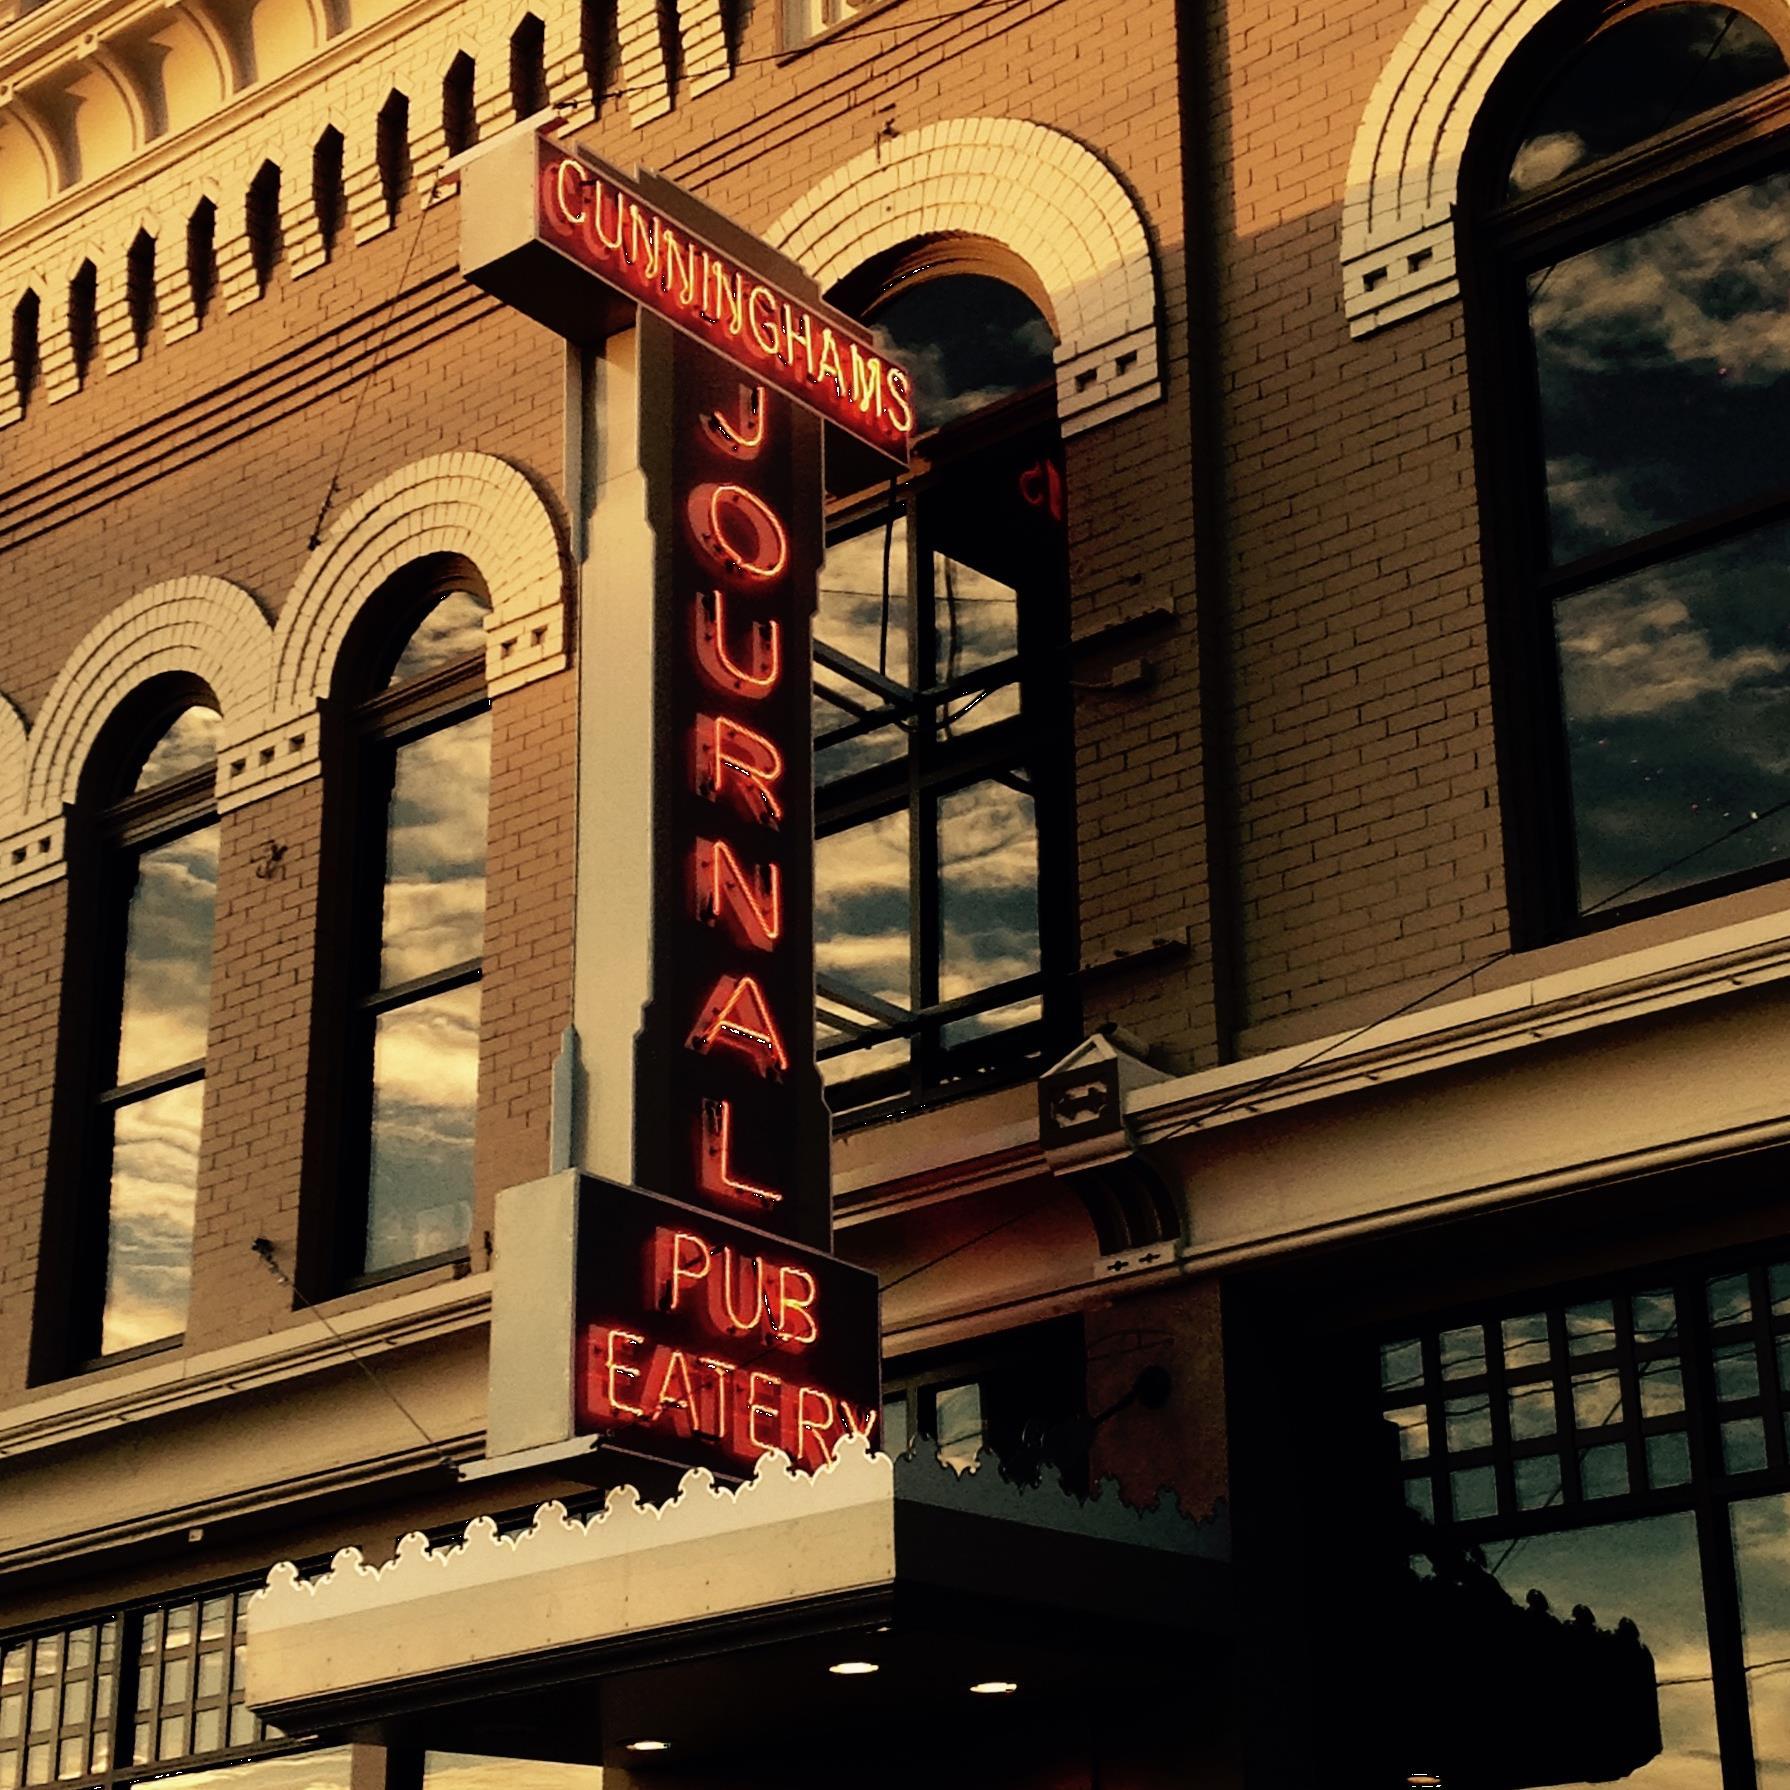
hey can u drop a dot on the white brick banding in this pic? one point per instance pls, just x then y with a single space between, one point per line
1051 201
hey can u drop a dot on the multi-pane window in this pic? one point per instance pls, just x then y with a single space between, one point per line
134 1693
156 870
1634 243
1021 1396
424 766
938 812
1602 1494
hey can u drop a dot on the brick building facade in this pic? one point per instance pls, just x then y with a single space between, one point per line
1435 1016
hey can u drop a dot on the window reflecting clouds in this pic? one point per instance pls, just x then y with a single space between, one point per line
1645 74
988 888
189 744
1661 358
927 748
453 630
435 851
1645 1573
427 758
1676 689
167 959
149 1243
425 1093
1761 1531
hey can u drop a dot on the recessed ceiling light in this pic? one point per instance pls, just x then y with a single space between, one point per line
853 1668
648 1746
994 1687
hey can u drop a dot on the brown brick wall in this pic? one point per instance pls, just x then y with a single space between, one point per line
30 1000
1369 852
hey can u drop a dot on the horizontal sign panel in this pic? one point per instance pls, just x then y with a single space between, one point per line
593 220
708 1343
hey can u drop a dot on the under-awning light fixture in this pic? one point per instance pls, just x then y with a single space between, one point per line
853 1668
648 1746
994 1687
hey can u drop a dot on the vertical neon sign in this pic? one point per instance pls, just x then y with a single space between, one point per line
731 1115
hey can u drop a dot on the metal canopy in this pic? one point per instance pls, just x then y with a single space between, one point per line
711 1622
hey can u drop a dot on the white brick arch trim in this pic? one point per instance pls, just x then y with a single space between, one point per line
1044 196
12 767
474 505
203 626
1398 247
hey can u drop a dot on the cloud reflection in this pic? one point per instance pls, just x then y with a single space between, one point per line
149 1254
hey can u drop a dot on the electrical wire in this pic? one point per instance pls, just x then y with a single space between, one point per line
263 1250
374 362
1248 1095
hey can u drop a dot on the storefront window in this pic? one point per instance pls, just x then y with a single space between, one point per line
1597 1501
144 1691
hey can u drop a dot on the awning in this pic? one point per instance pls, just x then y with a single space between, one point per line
722 1613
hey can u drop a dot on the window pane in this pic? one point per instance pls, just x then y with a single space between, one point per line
1413 1431
895 1434
1526 1341
453 630
862 943
975 625
1468 1422
190 743
1401 1365
1662 1388
1591 1327
988 888
969 339
1644 75
1676 689
1761 1532
425 1091
957 1419
435 852
1648 1572
852 585
322 1769
149 1233
167 956
840 705
1462 1352
1655 1316
1660 362
1532 1412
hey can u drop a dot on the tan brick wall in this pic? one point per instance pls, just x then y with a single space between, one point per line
31 948
1369 853
213 455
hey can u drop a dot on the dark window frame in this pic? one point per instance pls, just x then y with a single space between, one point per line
1503 241
1711 1490
366 725
1030 752
130 1623
113 826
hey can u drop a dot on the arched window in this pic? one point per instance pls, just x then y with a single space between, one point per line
415 787
942 869
148 884
1628 192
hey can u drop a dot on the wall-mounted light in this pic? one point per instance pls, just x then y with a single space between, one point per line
648 1746
994 1687
854 1668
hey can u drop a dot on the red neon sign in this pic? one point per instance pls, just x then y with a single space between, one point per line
808 351
706 1335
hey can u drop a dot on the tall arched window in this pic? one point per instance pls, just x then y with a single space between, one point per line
942 868
1628 191
148 885
415 784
